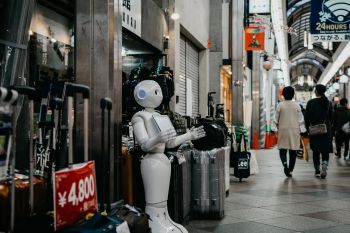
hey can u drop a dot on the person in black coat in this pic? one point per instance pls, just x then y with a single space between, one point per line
340 117
319 111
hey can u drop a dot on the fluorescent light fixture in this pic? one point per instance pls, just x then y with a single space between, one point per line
344 79
301 80
340 57
175 16
330 46
310 44
310 82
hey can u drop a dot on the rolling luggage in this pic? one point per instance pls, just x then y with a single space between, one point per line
208 183
19 198
241 162
136 220
179 199
227 150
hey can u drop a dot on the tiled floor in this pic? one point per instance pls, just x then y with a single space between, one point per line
271 203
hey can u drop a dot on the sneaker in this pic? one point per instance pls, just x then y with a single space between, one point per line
287 172
324 171
318 174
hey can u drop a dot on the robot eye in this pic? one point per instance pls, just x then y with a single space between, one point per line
141 94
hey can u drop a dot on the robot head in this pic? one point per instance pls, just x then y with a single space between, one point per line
148 94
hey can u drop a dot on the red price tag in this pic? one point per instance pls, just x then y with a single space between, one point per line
75 194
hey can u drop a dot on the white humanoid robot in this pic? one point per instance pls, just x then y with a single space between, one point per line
155 166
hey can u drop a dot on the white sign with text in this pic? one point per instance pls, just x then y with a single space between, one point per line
132 16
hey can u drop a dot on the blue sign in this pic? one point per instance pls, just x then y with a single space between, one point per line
330 20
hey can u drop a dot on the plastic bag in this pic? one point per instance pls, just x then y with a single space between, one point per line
254 166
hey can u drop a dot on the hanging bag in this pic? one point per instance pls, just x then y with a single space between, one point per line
319 129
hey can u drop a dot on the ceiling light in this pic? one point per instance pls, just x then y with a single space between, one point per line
336 86
301 80
310 82
305 39
348 71
309 43
175 16
344 79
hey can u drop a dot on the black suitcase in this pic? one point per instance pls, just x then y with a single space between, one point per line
179 199
241 162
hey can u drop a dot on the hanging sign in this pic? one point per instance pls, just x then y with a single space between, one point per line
132 16
254 39
75 194
330 20
259 6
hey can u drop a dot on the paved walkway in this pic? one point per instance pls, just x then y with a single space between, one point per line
271 203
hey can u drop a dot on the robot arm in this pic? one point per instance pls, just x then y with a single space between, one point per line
193 134
141 135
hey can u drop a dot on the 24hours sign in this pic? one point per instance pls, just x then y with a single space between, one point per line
330 20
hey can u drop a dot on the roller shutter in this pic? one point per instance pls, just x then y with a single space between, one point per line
189 69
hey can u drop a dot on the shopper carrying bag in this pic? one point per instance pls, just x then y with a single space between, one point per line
289 121
319 112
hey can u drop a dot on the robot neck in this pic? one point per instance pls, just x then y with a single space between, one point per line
151 110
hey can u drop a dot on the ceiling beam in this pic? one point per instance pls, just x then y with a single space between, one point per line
339 58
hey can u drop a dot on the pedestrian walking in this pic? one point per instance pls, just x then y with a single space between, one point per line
318 117
289 121
341 116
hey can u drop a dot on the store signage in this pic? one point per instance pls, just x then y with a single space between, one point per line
132 16
259 6
254 39
75 194
330 20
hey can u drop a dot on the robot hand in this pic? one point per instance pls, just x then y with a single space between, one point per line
197 133
167 135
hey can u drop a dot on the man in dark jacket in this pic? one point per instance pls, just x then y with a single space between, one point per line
341 116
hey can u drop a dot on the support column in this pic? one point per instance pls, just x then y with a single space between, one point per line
256 78
237 60
98 65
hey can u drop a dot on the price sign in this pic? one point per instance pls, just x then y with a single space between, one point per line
75 194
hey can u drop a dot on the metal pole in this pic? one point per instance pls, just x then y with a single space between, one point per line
31 157
70 130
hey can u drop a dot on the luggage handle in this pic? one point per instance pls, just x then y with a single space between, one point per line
8 96
32 95
71 90
106 104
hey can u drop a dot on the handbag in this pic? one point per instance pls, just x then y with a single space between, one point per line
302 153
346 128
319 129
